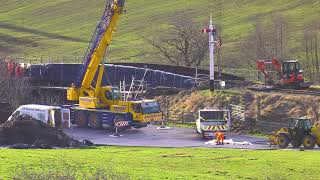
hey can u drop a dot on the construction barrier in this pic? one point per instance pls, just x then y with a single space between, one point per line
119 124
122 124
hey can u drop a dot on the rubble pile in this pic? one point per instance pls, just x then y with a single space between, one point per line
29 131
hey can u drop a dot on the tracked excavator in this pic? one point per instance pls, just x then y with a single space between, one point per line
285 75
96 105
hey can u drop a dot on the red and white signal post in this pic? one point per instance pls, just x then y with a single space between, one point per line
212 33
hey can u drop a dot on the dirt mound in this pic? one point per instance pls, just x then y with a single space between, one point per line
281 107
192 101
265 111
27 130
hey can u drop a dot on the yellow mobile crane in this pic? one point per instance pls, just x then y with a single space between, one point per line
101 105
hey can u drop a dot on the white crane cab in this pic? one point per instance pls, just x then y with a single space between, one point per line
53 115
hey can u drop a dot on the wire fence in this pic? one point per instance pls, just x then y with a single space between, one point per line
248 74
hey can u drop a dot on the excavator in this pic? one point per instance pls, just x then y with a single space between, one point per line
287 75
98 104
301 131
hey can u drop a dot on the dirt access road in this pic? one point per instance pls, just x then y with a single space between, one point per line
152 137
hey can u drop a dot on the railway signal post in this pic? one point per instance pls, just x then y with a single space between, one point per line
212 35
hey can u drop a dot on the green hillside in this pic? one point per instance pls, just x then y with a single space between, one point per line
63 28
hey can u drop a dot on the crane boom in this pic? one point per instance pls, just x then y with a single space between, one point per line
102 105
100 42
82 91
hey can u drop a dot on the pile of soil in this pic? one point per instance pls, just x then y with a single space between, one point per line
283 107
27 130
273 107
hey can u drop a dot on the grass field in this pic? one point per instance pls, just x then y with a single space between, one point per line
164 163
63 28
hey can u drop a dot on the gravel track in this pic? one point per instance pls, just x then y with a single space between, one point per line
152 137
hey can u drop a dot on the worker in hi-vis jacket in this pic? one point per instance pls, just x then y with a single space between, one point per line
220 137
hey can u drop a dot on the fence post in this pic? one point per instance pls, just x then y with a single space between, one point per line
182 116
182 113
258 109
166 108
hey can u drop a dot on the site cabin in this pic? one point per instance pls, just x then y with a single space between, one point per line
53 115
211 120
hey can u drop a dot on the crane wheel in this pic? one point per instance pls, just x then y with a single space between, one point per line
81 119
309 142
296 144
282 140
95 121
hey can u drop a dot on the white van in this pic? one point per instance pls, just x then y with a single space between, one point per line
53 115
211 120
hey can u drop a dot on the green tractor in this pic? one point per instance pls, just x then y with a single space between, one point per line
301 131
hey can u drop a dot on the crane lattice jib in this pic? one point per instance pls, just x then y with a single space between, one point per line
99 43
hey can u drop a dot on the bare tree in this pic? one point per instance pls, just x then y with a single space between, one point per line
3 77
280 24
306 44
266 42
257 46
15 91
311 50
18 92
186 46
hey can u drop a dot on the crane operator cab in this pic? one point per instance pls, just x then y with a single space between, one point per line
105 97
112 94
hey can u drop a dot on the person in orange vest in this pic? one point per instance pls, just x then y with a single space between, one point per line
220 137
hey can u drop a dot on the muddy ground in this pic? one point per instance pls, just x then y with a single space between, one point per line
273 107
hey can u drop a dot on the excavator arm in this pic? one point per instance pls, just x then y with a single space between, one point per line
261 64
